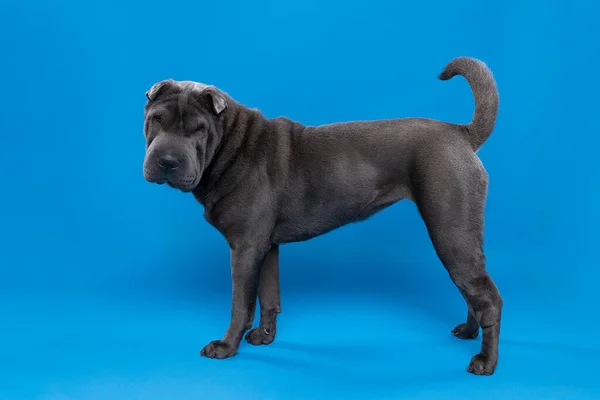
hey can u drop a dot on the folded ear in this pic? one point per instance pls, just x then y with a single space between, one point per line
158 88
216 97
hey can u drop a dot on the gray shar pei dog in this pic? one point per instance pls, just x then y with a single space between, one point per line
265 182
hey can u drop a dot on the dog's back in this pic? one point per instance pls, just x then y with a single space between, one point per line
345 172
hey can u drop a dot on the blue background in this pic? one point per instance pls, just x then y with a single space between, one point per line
110 286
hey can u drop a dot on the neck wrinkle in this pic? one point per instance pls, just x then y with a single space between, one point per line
239 124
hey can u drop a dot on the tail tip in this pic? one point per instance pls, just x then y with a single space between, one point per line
446 74
459 65
451 69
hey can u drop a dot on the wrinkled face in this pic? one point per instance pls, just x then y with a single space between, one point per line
182 125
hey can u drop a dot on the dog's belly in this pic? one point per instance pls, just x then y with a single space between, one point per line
340 175
302 223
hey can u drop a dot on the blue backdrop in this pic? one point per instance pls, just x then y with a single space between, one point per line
110 286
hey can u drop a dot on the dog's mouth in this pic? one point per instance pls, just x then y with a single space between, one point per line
185 185
154 176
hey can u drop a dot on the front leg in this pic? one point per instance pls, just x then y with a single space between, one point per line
245 262
269 298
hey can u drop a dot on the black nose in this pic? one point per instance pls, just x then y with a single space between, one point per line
168 163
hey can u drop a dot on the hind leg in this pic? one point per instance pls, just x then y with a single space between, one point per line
468 329
452 207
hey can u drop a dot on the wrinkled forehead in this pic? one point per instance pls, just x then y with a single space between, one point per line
190 85
178 97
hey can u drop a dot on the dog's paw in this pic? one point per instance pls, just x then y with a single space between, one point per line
260 335
462 331
218 349
481 365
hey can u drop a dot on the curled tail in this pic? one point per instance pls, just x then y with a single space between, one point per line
484 89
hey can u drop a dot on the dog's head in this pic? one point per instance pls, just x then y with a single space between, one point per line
183 125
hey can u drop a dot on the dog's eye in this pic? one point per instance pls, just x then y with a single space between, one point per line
156 119
201 128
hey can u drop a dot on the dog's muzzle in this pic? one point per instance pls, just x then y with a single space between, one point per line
168 163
